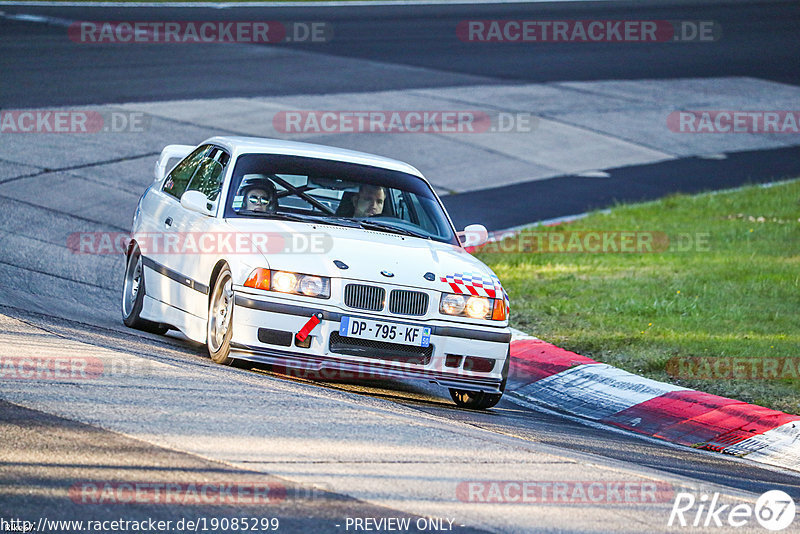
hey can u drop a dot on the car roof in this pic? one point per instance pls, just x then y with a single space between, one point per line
263 145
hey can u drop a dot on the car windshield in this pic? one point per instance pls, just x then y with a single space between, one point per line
334 192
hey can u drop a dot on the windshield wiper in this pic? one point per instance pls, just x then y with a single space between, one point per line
305 218
348 222
376 225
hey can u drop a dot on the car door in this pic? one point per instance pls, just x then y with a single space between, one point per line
197 234
158 237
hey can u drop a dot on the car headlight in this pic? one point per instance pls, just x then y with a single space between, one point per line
287 282
312 286
284 282
453 304
478 307
474 307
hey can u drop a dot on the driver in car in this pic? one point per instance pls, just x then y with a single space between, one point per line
369 201
259 196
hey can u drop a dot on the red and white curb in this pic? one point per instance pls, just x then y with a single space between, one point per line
544 374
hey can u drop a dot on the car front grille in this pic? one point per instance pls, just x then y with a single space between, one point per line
402 302
364 297
379 350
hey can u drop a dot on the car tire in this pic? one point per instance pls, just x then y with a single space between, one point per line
481 400
133 292
220 319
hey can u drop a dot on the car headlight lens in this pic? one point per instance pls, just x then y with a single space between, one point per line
288 282
478 307
312 286
473 307
284 282
453 304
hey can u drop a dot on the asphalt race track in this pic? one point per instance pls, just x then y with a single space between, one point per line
162 413
759 40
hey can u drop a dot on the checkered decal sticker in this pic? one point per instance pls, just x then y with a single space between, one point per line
477 285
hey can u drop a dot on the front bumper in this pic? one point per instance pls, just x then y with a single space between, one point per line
448 362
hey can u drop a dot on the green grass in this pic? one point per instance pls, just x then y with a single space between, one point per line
736 297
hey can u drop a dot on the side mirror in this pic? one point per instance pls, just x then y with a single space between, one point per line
170 152
473 235
197 202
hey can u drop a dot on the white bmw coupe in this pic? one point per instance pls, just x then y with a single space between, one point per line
317 258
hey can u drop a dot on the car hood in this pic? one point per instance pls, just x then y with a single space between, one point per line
312 249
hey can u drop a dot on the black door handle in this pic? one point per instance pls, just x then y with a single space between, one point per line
168 222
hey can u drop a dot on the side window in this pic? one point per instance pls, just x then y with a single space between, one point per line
179 178
208 177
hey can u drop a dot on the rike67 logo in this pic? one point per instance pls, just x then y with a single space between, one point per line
774 510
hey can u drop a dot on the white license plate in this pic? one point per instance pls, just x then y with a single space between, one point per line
403 334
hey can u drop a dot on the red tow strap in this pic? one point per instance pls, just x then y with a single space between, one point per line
308 327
